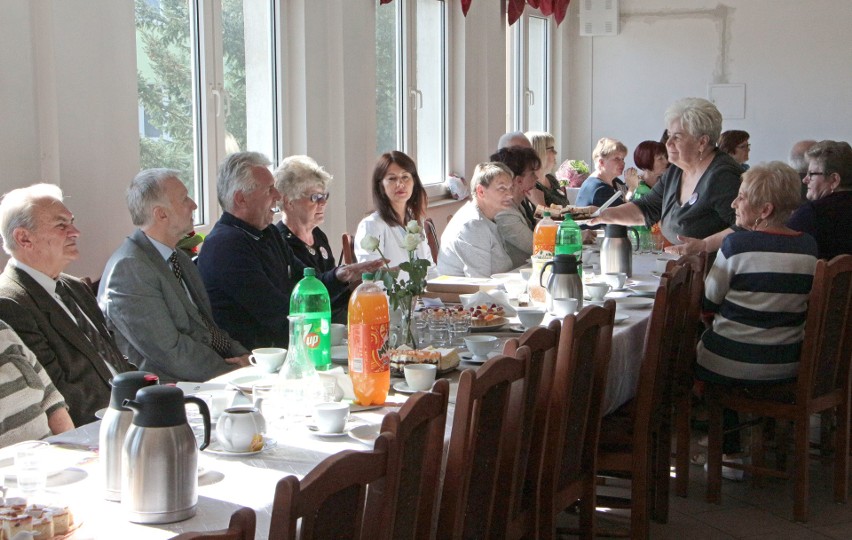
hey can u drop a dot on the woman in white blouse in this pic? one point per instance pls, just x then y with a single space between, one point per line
471 245
398 197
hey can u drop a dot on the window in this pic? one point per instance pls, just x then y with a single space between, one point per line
411 95
207 86
530 93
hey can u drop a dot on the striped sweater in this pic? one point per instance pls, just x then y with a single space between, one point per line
758 291
27 395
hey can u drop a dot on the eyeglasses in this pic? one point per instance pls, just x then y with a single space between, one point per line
319 197
814 173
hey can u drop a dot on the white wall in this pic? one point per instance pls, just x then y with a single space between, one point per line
793 57
68 90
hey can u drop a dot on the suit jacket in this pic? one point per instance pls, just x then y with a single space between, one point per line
155 323
72 362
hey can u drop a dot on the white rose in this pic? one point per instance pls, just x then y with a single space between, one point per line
370 243
413 227
410 242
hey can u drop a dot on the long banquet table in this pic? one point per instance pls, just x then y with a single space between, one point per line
230 482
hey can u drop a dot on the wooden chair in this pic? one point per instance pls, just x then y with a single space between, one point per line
330 500
579 382
419 430
635 440
241 527
516 506
684 372
432 238
485 408
348 250
822 385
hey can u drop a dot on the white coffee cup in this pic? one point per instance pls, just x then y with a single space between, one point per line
338 333
597 290
660 264
616 280
420 377
562 307
268 359
240 429
218 400
331 417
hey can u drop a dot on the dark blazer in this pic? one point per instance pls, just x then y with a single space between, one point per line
71 361
155 323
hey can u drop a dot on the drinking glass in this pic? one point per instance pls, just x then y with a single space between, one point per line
460 326
31 468
439 328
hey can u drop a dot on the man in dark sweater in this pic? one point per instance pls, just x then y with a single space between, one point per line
249 271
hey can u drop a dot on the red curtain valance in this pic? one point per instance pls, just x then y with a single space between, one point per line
515 8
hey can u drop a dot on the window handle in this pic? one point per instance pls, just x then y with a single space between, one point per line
530 95
217 99
416 97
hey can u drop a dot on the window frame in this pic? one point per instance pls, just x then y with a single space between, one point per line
519 48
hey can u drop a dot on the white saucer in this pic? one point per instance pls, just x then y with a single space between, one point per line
634 302
326 434
99 414
620 317
216 449
366 433
403 388
246 382
469 358
518 327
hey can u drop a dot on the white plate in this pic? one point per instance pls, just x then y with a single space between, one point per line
403 388
340 354
325 434
634 302
366 433
56 458
487 328
642 289
620 317
246 382
216 449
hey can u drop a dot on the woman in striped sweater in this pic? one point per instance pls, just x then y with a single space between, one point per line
757 290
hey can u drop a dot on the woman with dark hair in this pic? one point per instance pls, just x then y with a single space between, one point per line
652 160
516 223
398 197
735 143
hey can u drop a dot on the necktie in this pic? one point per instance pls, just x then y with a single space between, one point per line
106 349
218 341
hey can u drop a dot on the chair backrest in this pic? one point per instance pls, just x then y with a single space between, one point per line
525 461
485 408
662 342
241 527
347 252
419 430
432 238
685 359
331 499
824 362
579 384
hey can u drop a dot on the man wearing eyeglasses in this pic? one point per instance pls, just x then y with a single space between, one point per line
152 294
247 267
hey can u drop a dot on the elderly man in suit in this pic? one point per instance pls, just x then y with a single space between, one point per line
249 271
152 294
55 314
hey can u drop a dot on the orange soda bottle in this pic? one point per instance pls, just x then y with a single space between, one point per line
369 360
544 235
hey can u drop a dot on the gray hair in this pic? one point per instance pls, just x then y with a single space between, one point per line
607 147
697 116
797 155
235 175
17 210
513 138
835 157
485 173
146 190
296 174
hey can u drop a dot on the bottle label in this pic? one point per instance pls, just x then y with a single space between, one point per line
312 340
369 348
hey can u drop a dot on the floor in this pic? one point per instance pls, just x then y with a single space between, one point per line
746 511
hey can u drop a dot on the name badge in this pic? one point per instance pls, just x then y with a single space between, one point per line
693 199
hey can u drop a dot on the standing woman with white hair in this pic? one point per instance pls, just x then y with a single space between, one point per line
692 201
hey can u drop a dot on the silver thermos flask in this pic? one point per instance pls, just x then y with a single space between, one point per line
159 462
114 426
616 251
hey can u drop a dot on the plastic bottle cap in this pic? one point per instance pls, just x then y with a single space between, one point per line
310 272
367 276
545 214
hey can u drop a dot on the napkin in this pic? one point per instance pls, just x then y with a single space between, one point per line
494 297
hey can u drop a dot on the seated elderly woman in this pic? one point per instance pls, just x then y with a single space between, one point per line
471 245
757 290
692 201
735 143
398 197
827 215
304 192
516 223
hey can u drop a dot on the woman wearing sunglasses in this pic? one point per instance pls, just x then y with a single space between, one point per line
398 197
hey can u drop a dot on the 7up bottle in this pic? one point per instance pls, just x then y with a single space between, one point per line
310 299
